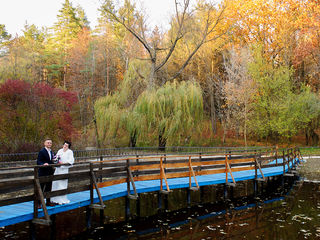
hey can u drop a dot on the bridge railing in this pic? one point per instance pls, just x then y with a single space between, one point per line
21 184
17 159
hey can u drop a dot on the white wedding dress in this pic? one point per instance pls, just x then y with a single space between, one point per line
65 157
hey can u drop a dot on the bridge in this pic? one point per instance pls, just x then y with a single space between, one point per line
92 183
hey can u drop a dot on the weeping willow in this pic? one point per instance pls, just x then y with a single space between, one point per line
116 111
172 111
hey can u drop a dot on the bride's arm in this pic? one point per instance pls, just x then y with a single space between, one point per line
70 158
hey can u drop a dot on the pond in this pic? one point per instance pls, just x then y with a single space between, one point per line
282 208
290 213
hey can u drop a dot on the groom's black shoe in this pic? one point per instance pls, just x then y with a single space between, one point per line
50 204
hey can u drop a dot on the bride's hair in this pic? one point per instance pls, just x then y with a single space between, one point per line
67 142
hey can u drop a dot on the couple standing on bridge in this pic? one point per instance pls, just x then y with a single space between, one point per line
46 157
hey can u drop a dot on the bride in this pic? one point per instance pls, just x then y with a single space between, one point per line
65 156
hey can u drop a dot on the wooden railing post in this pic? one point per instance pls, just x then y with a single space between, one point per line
161 176
100 168
226 164
94 185
189 172
284 162
136 172
299 155
91 183
39 197
36 197
276 155
128 177
288 161
258 165
255 168
295 156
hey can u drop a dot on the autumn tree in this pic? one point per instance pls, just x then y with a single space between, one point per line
239 88
81 75
125 46
307 53
33 42
32 111
4 35
24 58
70 22
159 49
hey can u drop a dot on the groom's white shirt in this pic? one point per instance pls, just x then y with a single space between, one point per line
49 152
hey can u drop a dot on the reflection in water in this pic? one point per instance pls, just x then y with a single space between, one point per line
279 211
289 212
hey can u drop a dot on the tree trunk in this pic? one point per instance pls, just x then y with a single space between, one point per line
224 132
152 74
64 77
97 133
162 141
245 125
108 77
312 138
133 139
213 113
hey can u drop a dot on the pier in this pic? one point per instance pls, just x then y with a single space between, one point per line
92 183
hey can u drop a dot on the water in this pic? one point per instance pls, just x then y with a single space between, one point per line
291 213
284 208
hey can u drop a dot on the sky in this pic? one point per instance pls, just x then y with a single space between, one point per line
43 13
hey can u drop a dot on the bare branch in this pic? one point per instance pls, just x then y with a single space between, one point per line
141 39
206 32
179 33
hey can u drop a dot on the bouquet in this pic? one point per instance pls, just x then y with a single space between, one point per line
56 159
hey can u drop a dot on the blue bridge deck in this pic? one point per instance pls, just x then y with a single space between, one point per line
16 213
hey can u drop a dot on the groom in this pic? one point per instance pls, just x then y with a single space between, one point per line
45 157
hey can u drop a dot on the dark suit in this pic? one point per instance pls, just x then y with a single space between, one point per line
43 157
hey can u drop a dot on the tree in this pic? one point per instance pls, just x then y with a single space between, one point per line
30 112
117 110
67 28
159 52
82 75
274 91
4 35
279 111
25 56
83 20
307 54
172 111
126 46
305 108
239 87
33 41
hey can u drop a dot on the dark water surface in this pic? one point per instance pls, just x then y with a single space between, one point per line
292 212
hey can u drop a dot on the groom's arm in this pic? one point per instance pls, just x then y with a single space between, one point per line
41 160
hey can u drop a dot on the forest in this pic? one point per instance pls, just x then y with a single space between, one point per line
233 73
